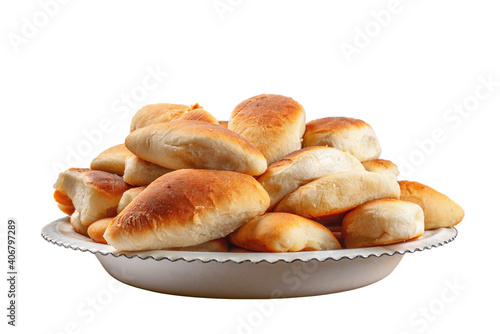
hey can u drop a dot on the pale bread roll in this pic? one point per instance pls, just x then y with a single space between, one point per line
198 114
217 245
64 203
344 133
97 229
140 172
127 197
274 124
158 113
195 144
283 232
75 221
382 222
185 208
439 210
328 197
112 160
381 166
94 194
303 166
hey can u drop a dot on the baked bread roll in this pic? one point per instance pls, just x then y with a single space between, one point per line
127 197
283 232
186 208
195 144
159 113
75 221
97 229
439 210
382 222
274 124
330 196
64 203
140 172
343 133
381 166
198 114
303 166
217 245
94 194
112 160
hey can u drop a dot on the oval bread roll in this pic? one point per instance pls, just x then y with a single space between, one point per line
140 172
95 194
344 133
186 208
381 166
330 196
382 222
303 166
127 197
112 160
274 124
283 232
97 229
439 210
158 113
195 144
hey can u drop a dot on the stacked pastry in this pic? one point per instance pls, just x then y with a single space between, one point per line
263 181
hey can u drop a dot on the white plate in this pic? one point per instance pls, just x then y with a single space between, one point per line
247 275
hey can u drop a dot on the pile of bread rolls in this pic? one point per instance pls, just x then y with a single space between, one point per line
265 181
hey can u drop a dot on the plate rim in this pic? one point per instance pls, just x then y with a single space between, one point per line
70 239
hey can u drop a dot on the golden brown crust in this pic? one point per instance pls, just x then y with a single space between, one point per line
97 229
104 181
439 209
274 124
283 232
62 198
187 207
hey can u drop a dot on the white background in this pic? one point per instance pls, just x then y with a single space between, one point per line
70 72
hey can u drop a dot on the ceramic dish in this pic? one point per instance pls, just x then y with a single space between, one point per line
247 275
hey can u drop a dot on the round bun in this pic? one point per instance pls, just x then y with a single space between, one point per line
330 196
185 208
350 134
283 232
381 166
75 221
439 210
303 166
382 222
195 144
274 124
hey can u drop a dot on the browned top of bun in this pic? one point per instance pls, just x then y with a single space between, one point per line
268 110
329 124
102 181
